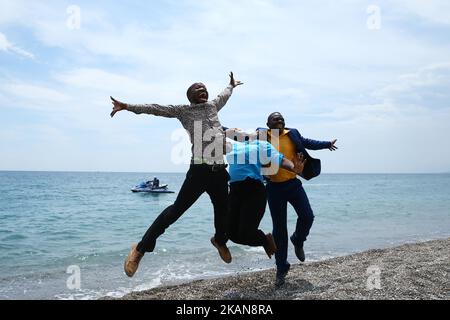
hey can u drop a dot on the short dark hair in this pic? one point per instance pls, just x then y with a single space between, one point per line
272 114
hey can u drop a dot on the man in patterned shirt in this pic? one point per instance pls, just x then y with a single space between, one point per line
207 172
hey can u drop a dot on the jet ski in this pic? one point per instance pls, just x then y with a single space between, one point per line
149 188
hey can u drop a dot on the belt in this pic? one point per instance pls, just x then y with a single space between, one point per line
215 167
218 167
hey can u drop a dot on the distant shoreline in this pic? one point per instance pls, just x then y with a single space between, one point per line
410 271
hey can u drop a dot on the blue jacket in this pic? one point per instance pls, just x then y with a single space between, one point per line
312 166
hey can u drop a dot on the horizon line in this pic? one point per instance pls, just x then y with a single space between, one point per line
100 171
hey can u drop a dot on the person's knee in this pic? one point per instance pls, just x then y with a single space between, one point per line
233 237
171 214
236 236
305 213
310 216
245 236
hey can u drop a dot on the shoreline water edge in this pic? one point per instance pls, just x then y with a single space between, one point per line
407 272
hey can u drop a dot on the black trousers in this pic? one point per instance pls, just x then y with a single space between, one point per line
199 179
247 203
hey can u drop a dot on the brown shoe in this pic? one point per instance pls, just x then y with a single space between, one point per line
271 247
132 262
223 250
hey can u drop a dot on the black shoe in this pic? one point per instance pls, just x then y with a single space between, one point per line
280 280
281 277
299 252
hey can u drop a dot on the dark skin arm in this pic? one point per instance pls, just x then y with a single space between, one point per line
234 83
333 147
117 106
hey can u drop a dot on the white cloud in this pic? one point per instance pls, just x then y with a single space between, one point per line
100 83
416 95
436 11
426 88
288 38
404 131
34 97
315 62
13 11
7 46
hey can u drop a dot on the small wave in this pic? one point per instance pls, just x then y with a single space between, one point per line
14 237
253 249
81 295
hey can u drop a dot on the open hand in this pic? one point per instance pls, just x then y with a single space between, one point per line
333 147
299 163
117 106
233 82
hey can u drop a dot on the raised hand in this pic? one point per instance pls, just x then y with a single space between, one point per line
299 163
333 147
233 82
117 106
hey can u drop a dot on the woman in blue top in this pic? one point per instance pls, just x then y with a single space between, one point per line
248 160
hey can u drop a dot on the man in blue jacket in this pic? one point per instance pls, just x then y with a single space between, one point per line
284 187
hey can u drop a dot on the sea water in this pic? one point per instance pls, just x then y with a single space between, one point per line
65 235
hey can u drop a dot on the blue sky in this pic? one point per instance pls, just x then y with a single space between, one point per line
383 93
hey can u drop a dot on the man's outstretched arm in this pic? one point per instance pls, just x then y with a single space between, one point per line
223 97
318 145
169 111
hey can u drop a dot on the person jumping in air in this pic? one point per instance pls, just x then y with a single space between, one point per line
207 172
247 198
284 187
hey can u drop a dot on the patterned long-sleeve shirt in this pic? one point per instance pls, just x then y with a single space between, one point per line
200 120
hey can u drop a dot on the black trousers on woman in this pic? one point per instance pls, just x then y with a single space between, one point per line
246 205
212 179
